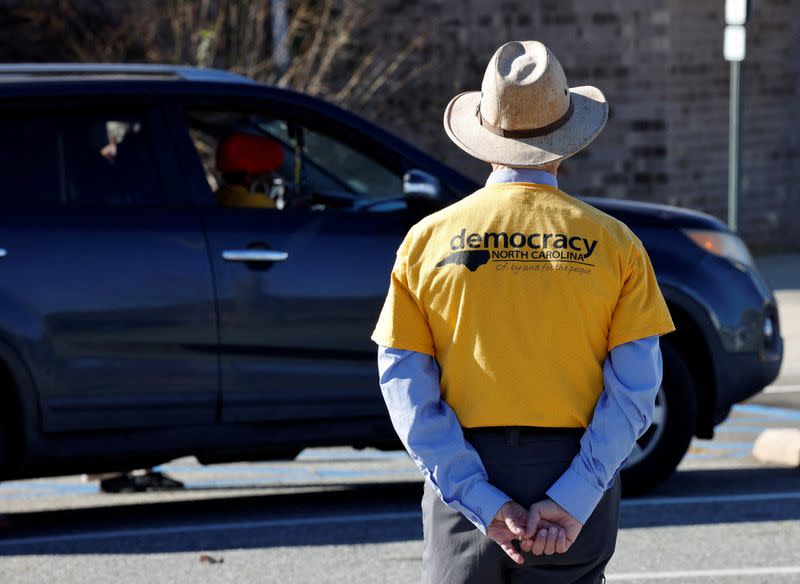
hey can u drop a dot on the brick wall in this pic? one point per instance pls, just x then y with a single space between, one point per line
660 64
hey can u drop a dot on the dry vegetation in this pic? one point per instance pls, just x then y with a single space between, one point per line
315 47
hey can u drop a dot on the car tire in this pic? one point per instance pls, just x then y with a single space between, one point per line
665 443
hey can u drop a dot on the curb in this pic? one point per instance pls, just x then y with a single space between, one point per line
780 446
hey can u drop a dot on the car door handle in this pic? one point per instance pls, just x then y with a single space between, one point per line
3 252
254 255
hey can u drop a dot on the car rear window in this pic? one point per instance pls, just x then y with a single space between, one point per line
81 159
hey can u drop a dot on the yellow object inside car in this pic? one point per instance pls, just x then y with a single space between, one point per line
238 196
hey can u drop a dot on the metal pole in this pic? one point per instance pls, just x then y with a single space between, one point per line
280 25
734 145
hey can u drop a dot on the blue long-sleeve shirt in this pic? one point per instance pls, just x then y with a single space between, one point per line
430 431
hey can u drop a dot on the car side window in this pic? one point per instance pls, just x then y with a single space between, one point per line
78 159
362 174
251 160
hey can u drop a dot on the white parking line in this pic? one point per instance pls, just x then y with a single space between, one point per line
705 499
352 518
685 574
782 389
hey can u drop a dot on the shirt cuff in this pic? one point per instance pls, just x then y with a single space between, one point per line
575 494
482 502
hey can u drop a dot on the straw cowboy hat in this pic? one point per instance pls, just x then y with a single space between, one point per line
525 114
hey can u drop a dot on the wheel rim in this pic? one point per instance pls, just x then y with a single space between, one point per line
647 443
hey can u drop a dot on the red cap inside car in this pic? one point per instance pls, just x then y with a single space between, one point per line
249 153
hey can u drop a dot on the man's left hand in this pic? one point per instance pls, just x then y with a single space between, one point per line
508 525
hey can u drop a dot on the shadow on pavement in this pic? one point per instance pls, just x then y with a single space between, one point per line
276 520
729 481
718 496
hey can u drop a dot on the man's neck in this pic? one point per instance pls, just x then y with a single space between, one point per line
505 174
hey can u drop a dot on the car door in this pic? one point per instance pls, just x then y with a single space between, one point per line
106 285
295 324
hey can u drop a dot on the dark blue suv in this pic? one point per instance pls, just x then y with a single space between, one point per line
142 320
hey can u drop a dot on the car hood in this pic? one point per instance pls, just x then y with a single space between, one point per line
637 213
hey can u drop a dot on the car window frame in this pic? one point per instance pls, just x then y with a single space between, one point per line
279 108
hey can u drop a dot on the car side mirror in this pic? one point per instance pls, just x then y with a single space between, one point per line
421 185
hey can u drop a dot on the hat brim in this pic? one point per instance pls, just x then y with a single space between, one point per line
463 126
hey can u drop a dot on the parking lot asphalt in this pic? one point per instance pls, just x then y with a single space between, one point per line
342 515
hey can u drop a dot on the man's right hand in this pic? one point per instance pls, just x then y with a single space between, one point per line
550 529
508 524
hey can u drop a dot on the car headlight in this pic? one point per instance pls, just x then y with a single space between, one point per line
723 244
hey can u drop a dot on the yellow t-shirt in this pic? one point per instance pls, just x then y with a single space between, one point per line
238 196
520 291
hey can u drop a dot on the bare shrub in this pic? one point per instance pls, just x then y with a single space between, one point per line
327 56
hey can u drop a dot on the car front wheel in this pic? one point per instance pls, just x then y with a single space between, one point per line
659 451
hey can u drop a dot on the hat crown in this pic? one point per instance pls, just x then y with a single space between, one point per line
524 87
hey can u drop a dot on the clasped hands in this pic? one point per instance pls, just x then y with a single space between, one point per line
546 528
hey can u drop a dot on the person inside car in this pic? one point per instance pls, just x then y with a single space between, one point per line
247 163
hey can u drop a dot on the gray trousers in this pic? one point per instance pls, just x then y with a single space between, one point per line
523 464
